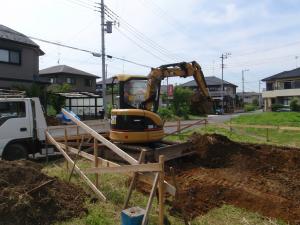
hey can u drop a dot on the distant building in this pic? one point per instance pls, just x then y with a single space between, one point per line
249 97
214 85
19 59
78 79
281 88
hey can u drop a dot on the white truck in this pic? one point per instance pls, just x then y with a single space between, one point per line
23 125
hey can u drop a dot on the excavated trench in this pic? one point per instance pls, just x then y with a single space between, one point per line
259 178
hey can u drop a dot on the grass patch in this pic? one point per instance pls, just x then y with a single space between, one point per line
114 188
228 214
247 135
270 118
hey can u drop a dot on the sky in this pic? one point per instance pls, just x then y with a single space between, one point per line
262 36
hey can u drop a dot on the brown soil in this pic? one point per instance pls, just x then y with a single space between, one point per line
260 178
55 201
52 121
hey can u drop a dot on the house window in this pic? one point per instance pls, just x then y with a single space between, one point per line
88 82
53 80
10 56
70 80
270 86
287 84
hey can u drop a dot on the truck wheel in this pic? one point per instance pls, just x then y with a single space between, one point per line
15 152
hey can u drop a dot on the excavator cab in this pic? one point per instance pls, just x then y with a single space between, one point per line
131 123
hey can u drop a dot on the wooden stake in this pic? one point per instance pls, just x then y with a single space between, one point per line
178 126
133 180
66 143
46 146
76 159
77 169
161 191
150 200
96 161
77 132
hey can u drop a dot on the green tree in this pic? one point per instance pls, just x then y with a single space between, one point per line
294 105
55 100
255 102
182 101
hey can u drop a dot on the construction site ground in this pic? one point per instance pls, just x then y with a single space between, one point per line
233 182
259 178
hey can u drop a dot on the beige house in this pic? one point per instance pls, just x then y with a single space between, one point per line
281 88
249 97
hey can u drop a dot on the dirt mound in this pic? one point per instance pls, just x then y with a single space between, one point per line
22 202
261 178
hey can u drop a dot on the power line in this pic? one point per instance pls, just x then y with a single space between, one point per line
79 3
268 49
133 33
141 47
163 14
91 52
139 35
63 45
129 61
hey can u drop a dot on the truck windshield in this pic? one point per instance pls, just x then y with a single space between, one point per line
12 109
134 92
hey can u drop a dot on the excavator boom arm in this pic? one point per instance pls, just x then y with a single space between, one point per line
173 70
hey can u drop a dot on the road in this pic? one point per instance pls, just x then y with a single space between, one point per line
210 119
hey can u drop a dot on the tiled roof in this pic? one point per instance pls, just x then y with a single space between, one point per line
210 81
64 69
285 74
7 33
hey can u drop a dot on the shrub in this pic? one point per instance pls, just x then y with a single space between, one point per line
249 107
182 101
294 105
57 101
276 107
255 102
165 113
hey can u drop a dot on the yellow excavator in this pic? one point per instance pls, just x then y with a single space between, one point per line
136 119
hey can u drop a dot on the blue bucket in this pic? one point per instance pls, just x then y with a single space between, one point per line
132 216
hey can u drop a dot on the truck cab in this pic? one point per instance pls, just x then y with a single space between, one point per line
22 126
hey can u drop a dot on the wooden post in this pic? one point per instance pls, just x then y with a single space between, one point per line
205 125
77 133
46 146
66 143
96 161
161 191
230 127
267 136
133 180
149 203
178 125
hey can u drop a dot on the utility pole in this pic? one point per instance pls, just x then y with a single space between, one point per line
105 27
243 81
223 56
296 58
103 57
167 92
259 98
